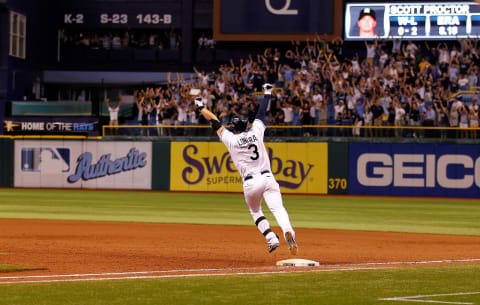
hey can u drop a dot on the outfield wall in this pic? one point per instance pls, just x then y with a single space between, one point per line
392 169
207 166
83 164
6 162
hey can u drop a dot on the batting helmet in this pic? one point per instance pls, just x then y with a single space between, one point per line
239 123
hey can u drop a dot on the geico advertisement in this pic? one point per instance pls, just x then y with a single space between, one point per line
415 170
83 164
207 166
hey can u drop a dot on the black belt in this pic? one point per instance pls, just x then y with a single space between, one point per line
250 177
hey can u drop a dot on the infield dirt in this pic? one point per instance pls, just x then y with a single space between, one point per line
81 247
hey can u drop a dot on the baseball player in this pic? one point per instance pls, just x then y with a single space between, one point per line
250 157
367 22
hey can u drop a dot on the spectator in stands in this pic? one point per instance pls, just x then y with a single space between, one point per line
210 43
84 40
202 41
377 112
473 120
145 105
454 119
371 51
390 118
429 120
463 121
368 121
355 121
139 96
126 40
305 116
116 41
398 84
399 117
288 110
442 117
165 115
203 77
181 118
113 114
172 38
158 113
95 42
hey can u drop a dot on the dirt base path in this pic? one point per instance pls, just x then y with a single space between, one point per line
77 247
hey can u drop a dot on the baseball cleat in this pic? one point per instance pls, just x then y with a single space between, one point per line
273 243
292 244
272 247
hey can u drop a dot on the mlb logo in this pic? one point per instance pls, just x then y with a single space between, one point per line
45 160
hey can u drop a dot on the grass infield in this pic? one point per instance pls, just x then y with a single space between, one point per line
442 216
339 287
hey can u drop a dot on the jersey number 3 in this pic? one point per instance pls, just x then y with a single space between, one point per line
255 151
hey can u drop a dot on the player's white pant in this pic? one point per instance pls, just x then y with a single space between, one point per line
267 187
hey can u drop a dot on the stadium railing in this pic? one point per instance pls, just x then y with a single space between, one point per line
301 131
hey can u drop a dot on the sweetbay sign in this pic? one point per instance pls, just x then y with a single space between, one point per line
77 164
207 166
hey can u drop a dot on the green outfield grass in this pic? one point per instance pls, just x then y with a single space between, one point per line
361 287
447 216
13 268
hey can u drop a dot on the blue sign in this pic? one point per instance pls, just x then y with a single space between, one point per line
431 170
51 125
277 16
45 159
85 170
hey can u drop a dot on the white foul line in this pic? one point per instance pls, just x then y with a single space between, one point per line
191 275
468 260
416 297
231 271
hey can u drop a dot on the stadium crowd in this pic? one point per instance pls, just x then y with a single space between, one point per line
399 83
118 39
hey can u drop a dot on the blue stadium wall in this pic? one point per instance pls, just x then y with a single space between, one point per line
17 75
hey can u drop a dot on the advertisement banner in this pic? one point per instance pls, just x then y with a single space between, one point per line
83 164
207 166
432 170
50 126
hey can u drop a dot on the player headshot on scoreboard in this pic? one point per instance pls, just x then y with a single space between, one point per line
366 22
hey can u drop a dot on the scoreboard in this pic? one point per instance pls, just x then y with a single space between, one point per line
129 14
410 20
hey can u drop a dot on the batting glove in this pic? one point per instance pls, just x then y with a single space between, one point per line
199 103
267 88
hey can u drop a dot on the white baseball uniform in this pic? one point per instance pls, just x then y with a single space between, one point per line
250 157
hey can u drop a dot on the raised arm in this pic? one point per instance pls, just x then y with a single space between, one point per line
209 116
196 70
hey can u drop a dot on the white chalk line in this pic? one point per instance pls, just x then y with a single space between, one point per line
416 297
231 271
238 269
192 275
